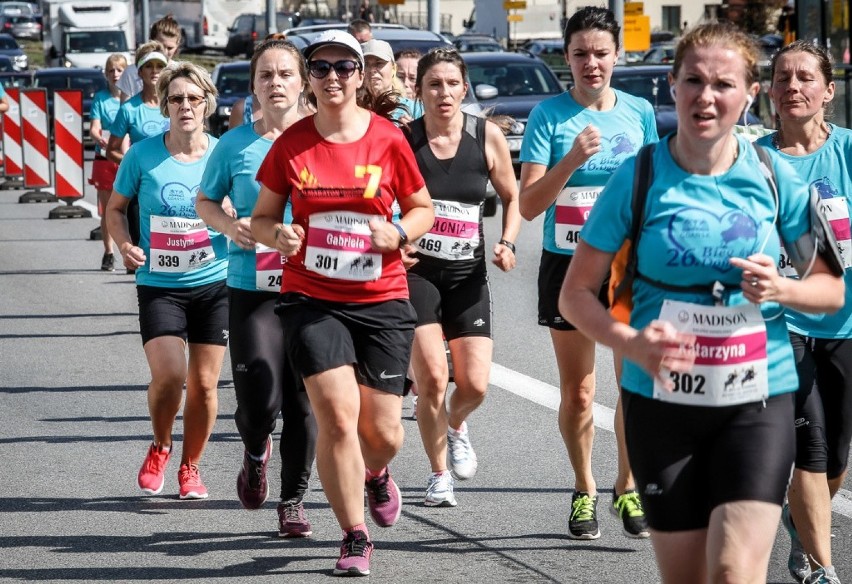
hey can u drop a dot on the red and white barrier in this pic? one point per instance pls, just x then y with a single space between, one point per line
13 161
68 173
36 138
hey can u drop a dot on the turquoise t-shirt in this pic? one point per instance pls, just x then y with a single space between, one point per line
138 120
553 126
231 172
166 189
693 225
829 171
104 108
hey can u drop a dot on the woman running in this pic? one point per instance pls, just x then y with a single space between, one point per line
264 383
348 324
457 154
572 145
181 267
709 373
104 108
802 88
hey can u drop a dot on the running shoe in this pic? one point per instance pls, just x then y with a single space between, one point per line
797 562
190 483
152 475
583 523
355 552
383 499
414 408
439 490
292 521
252 487
628 508
823 575
108 262
462 457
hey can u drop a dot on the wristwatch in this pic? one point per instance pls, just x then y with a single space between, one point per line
403 237
508 244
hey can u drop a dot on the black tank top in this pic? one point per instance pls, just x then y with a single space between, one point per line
458 189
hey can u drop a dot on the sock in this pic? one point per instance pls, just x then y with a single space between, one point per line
359 527
373 474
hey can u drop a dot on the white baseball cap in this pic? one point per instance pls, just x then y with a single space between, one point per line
152 56
377 48
339 38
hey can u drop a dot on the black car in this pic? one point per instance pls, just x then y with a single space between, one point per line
10 47
473 43
397 36
90 81
232 82
249 29
521 81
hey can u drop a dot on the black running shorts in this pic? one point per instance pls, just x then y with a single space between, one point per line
197 315
375 338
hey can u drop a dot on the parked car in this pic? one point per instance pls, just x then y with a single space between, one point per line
89 80
474 43
21 27
18 9
11 77
551 51
249 29
521 82
660 53
232 82
10 47
398 36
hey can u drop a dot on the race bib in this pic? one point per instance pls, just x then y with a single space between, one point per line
339 246
179 244
730 355
785 266
572 210
455 233
269 264
836 210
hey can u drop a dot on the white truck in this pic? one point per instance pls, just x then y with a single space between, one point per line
205 22
83 33
538 19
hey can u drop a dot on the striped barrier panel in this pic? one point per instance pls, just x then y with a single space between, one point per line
36 145
68 173
13 161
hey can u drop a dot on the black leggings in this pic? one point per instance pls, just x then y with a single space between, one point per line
266 387
823 404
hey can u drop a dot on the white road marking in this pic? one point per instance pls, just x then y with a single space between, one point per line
547 395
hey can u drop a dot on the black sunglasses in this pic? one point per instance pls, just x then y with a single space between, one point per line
344 68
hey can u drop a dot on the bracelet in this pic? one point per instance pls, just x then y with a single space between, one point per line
403 237
508 244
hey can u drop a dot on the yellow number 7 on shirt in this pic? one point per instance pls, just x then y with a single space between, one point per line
375 173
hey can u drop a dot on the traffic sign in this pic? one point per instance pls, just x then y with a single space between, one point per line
514 4
634 8
637 33
515 17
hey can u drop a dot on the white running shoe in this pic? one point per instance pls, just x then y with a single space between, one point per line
462 457
439 490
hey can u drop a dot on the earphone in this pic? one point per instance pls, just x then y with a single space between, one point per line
672 92
749 101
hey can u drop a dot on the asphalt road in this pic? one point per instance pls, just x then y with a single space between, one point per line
74 429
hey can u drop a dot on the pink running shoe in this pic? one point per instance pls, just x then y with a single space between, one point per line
384 500
191 486
152 475
355 555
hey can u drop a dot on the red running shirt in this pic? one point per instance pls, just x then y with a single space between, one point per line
334 190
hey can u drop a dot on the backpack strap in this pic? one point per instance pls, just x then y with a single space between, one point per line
643 176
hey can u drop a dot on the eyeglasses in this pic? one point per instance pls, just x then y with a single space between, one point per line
194 100
344 68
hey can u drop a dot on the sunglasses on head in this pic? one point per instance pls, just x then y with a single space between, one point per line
344 68
194 100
